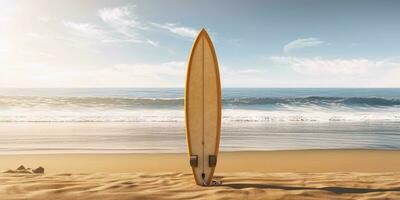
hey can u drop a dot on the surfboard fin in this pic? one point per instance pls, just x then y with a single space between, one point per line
212 160
194 161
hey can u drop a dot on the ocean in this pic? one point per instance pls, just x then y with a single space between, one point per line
125 120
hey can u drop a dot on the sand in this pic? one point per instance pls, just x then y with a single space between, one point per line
308 174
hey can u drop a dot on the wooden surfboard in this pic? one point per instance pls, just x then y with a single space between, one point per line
203 108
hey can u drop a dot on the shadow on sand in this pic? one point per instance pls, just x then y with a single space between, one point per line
336 190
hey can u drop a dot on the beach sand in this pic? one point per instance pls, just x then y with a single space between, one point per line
300 174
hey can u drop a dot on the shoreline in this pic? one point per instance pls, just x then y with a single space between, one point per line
39 138
301 161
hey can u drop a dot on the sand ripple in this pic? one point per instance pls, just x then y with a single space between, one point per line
180 186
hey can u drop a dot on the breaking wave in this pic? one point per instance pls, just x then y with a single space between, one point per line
235 110
32 101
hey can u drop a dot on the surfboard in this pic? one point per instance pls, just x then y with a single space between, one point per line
203 108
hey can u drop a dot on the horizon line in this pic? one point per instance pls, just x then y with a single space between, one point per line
184 88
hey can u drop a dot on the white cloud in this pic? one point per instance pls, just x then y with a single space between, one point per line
120 17
392 78
38 36
302 43
320 66
37 54
151 42
6 19
125 25
168 74
231 76
122 26
285 71
354 72
122 20
85 29
178 30
43 19
95 32
168 70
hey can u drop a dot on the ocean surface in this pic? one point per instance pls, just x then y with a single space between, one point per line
152 120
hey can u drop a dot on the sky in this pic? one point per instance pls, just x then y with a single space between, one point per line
280 43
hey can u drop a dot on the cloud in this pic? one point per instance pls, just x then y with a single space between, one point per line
151 42
251 76
122 26
167 74
84 29
320 66
286 71
178 30
302 43
168 70
43 19
125 25
35 35
106 36
6 19
392 78
121 17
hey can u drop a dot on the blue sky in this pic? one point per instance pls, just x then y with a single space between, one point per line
146 43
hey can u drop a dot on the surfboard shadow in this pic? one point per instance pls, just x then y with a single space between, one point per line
336 190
